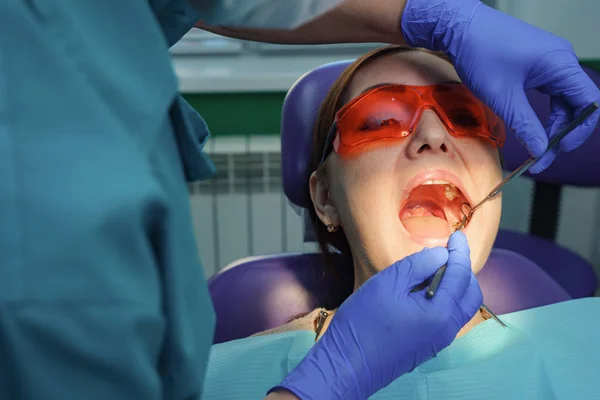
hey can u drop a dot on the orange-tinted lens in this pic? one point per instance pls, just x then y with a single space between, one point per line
496 126
389 112
379 114
466 115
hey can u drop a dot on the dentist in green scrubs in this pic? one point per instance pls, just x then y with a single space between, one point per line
102 295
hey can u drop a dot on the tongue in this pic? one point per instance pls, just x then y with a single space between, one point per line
429 212
425 219
427 227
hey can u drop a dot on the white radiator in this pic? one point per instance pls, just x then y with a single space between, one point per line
242 210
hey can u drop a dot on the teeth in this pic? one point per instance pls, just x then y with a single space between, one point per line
437 182
451 192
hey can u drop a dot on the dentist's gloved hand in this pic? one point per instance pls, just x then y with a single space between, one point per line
383 330
499 57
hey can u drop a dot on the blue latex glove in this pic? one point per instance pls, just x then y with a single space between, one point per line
383 330
499 57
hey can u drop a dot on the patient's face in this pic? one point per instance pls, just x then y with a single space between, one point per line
389 197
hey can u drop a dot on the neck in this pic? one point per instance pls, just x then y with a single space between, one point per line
361 274
476 320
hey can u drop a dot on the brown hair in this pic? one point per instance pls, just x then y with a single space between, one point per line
336 242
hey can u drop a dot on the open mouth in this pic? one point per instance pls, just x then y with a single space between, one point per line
433 209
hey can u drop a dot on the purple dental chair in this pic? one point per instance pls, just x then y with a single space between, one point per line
579 168
259 293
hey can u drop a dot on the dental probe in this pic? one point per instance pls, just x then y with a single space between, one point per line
439 274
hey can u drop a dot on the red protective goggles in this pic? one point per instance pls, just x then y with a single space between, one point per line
393 111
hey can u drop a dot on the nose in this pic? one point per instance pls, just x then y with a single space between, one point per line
429 136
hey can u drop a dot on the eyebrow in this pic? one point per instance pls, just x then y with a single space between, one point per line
390 83
377 86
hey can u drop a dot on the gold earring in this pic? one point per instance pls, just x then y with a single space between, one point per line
330 227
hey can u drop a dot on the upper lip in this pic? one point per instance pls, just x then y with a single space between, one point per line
438 174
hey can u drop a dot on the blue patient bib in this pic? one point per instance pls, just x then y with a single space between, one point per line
547 353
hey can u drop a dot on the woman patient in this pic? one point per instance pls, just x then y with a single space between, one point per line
411 150
415 149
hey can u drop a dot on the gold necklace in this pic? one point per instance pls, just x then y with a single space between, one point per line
320 322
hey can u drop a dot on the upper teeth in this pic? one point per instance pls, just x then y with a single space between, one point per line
451 192
436 182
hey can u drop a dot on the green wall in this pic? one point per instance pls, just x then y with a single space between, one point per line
252 113
592 64
239 113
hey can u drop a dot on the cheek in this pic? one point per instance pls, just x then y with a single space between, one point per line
483 163
360 179
357 192
484 167
362 190
474 150
482 238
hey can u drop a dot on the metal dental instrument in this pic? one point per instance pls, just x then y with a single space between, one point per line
439 274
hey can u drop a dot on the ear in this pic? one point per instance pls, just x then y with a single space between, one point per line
321 199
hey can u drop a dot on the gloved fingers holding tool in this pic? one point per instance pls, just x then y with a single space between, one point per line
499 57
460 283
362 351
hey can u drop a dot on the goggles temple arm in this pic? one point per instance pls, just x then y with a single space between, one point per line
328 143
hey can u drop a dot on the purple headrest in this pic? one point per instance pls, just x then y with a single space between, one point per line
580 167
260 293
298 118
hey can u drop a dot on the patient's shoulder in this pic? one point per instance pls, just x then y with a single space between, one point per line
305 321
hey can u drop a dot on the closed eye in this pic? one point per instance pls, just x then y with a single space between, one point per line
376 123
464 118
